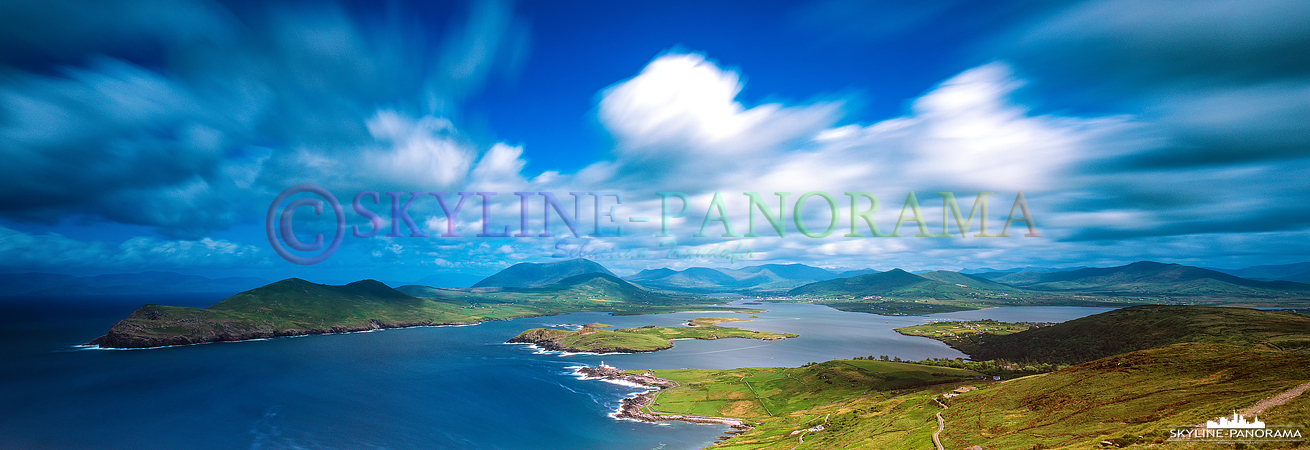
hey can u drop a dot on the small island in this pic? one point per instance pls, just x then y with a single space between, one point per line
594 338
957 329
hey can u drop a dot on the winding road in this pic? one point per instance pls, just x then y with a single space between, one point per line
941 426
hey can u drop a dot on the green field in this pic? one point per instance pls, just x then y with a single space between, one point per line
956 329
1130 400
778 401
592 338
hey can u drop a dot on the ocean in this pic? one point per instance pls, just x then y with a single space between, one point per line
415 388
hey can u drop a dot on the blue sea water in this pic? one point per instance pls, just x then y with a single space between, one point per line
417 388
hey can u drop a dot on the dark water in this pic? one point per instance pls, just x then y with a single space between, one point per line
439 387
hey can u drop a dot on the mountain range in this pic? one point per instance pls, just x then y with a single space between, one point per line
296 307
756 279
1144 278
1299 272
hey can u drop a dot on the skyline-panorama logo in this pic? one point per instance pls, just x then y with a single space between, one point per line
1236 429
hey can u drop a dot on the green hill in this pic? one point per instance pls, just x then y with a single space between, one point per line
1142 327
527 275
289 307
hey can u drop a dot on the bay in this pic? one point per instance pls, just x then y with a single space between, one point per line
431 387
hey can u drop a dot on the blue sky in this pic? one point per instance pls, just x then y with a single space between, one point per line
144 136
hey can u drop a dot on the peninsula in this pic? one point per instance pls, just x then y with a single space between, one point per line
593 338
295 307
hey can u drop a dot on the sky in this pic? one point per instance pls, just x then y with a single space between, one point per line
144 135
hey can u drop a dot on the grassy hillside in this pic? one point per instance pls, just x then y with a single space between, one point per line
778 401
1125 399
1128 400
1137 328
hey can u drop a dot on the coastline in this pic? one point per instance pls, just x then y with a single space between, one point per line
121 336
94 346
631 407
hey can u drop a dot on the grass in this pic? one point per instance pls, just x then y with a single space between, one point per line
592 338
781 400
1129 399
956 329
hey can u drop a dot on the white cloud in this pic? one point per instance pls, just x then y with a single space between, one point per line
417 152
678 122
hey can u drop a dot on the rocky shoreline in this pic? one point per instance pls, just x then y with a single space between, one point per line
632 406
154 326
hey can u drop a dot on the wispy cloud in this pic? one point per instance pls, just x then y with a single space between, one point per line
230 105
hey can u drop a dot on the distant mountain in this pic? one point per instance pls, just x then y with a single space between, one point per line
855 273
695 278
1299 272
1145 278
585 292
526 275
765 278
987 270
123 283
965 280
791 271
899 283
653 274
600 285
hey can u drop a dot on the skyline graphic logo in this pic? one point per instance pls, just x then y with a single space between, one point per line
1237 429
1238 421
